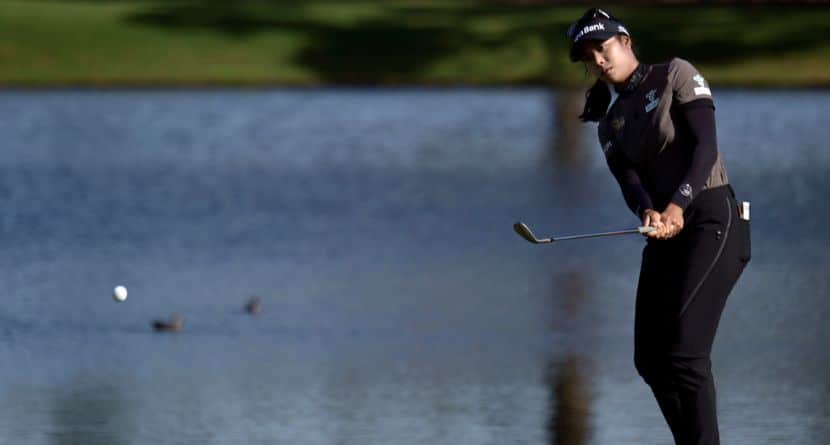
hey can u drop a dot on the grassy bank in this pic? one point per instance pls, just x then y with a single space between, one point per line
217 42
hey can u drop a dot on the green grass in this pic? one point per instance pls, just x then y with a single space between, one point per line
312 42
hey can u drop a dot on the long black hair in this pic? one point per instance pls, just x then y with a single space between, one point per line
597 99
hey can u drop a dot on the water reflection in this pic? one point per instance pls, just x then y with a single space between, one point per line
567 379
570 402
89 413
573 292
569 132
408 311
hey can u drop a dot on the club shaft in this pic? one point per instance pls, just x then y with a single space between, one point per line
596 235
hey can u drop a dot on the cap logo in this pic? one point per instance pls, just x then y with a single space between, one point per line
589 28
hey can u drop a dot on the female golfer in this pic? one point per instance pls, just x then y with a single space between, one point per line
659 141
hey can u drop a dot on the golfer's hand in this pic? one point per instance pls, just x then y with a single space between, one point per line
672 219
653 219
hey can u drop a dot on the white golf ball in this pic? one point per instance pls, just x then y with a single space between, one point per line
119 293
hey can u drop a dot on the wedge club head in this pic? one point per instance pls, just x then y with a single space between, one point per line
524 231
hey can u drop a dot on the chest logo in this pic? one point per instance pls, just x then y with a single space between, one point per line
653 100
618 123
701 89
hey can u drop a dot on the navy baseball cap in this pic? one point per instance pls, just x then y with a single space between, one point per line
595 24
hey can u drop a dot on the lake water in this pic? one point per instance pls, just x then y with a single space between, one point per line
398 304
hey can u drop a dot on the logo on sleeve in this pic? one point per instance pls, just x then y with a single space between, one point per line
653 100
701 89
686 190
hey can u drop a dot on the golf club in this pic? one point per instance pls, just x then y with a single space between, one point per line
524 231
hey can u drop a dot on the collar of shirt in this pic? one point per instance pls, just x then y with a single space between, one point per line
635 80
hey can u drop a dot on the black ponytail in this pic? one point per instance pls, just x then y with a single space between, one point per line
597 99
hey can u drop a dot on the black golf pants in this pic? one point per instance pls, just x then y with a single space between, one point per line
683 286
